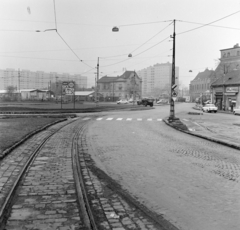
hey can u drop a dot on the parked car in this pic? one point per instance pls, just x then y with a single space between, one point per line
146 101
209 108
236 111
163 101
122 102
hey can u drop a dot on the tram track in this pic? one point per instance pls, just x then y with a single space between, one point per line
59 187
6 207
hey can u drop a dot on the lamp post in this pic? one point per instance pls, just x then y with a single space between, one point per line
173 86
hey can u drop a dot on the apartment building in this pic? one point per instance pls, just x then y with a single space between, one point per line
26 79
157 77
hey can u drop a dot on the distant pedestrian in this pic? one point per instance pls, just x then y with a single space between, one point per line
231 107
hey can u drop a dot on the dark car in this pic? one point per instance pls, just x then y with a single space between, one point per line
146 101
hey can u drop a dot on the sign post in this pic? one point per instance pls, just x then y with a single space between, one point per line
68 88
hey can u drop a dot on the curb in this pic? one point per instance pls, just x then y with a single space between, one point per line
203 137
7 151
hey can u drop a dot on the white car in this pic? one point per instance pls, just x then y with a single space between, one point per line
209 108
236 111
122 102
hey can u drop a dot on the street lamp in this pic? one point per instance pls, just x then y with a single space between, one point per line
115 29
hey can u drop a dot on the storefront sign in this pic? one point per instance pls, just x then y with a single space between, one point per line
219 93
232 89
230 94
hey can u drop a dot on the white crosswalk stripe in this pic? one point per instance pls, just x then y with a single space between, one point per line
109 119
124 119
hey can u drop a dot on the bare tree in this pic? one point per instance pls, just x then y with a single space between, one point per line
10 92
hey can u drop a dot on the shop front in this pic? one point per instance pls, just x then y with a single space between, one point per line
219 100
231 94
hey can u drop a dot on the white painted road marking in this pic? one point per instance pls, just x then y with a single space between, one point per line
109 119
159 119
119 119
139 119
129 119
99 119
149 119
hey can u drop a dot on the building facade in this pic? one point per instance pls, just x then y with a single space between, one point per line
225 89
199 88
127 86
157 77
26 79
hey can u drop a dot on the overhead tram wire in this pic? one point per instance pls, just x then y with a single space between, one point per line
55 16
208 23
152 37
138 53
197 23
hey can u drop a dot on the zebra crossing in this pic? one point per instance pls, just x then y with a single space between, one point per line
122 119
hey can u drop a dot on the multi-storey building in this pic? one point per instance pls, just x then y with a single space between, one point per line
126 86
26 79
225 90
157 77
199 88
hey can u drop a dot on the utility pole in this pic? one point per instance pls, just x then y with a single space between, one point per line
173 93
113 92
19 84
97 80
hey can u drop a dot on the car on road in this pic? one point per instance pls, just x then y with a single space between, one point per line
236 111
122 102
209 108
162 101
146 101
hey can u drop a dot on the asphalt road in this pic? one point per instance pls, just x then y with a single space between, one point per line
192 182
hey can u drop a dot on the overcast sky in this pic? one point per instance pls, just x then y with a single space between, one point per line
84 33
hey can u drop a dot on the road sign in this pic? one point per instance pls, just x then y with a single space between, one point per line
68 88
174 93
174 86
174 98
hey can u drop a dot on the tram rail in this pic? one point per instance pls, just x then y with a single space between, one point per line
6 207
97 201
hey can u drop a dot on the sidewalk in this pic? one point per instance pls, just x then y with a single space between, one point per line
226 132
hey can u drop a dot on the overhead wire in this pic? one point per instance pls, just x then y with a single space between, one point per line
152 37
208 23
64 40
225 27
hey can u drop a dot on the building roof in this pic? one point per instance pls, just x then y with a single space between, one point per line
231 78
206 74
234 47
123 77
107 79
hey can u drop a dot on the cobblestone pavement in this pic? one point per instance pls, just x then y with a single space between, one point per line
46 198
